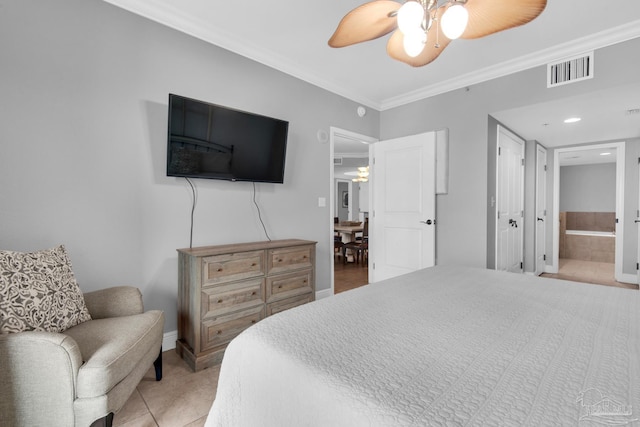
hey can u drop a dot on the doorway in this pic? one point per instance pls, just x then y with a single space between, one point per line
572 217
347 151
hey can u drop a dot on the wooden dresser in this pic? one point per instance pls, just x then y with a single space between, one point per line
222 290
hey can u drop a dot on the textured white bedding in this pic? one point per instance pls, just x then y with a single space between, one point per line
441 346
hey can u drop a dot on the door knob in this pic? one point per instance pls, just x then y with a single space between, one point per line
428 222
540 219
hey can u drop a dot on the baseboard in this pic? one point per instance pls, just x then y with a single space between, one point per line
169 340
325 293
629 278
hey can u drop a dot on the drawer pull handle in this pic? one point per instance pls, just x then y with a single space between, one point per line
253 321
219 332
219 301
220 269
253 293
280 287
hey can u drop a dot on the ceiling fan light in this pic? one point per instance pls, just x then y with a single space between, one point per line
454 21
414 42
410 16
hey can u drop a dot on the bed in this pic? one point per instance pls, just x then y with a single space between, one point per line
441 346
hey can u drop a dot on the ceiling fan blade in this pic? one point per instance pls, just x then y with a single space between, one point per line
366 22
490 16
395 47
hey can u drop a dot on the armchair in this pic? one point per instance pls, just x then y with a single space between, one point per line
83 375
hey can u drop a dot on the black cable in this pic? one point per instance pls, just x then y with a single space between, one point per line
258 208
193 208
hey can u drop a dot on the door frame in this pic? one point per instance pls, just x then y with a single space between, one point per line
540 269
620 169
335 132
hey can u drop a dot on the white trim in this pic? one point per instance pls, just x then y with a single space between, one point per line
620 167
542 57
333 133
537 268
169 340
173 16
629 278
325 293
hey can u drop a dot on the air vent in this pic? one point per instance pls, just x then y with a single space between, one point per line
570 70
337 161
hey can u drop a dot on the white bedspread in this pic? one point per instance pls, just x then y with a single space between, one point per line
441 346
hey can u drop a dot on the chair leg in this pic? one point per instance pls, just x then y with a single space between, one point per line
157 364
106 421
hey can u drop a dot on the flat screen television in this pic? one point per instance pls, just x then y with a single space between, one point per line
211 141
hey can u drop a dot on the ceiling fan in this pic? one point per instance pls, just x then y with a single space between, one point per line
424 28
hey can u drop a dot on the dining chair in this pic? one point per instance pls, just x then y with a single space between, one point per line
359 246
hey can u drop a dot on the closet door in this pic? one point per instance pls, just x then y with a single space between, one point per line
402 221
510 202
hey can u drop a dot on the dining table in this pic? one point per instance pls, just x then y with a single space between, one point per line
348 231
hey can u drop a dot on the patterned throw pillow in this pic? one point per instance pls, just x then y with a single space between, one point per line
38 292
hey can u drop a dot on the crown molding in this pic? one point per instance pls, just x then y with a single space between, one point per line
592 42
171 15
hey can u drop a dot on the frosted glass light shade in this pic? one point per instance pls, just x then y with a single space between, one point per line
454 21
414 42
410 16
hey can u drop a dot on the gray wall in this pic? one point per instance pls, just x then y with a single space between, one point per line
83 123
343 213
588 188
463 231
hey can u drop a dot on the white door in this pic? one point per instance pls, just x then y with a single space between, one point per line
402 222
541 209
637 221
510 202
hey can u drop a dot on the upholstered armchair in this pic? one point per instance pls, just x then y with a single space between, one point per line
83 374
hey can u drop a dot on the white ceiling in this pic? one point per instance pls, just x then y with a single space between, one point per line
291 36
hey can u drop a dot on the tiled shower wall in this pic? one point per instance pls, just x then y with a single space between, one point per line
591 221
587 248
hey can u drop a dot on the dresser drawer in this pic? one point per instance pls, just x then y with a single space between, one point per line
221 299
287 285
288 259
222 329
233 266
286 304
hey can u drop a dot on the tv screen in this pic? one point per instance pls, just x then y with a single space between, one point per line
210 141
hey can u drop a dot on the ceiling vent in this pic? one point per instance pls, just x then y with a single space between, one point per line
337 161
570 70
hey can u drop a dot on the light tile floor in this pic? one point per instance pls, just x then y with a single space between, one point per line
600 273
182 398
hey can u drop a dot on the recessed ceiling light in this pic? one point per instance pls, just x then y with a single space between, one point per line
605 154
572 120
